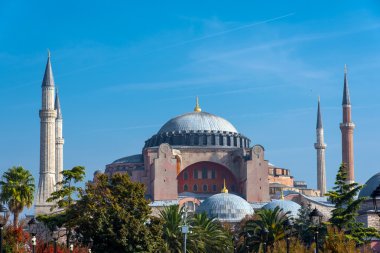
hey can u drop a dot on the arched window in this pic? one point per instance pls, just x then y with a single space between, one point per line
214 188
195 188
205 187
185 188
185 175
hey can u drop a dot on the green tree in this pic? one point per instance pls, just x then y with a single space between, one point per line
302 224
17 190
115 215
346 209
63 197
252 231
209 234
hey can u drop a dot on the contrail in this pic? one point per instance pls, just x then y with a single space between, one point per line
227 31
213 35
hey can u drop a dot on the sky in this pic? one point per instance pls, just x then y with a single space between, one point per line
124 68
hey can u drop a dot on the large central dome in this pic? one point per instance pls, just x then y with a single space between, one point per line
198 121
198 129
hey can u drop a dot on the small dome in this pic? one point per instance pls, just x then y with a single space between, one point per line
98 172
226 207
285 205
370 186
197 121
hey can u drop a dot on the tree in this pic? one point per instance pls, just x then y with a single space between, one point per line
252 231
17 190
302 224
115 215
210 234
207 235
63 197
346 209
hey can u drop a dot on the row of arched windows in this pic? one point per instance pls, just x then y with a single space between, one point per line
195 188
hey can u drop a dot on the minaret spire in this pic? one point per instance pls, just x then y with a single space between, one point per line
347 128
57 105
48 76
346 92
320 146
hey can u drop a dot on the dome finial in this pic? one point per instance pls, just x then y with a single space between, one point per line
197 107
282 195
224 190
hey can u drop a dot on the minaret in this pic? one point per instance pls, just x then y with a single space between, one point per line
320 146
59 140
48 115
347 129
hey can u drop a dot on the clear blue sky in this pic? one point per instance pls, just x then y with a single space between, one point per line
124 69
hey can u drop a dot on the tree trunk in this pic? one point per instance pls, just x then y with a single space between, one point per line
15 219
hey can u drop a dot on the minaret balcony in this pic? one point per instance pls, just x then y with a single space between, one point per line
320 145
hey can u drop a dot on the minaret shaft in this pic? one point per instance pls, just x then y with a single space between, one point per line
48 115
347 128
59 141
320 146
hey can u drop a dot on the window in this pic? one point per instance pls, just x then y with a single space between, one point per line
204 173
214 188
205 188
213 174
233 188
195 188
185 175
185 188
195 174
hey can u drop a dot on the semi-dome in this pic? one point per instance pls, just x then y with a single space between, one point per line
225 207
285 205
198 121
370 186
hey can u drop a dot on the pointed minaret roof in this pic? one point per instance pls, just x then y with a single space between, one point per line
48 76
346 92
319 115
57 105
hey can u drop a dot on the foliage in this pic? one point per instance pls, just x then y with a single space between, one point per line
251 234
17 190
207 235
346 209
115 215
63 196
302 225
15 240
337 242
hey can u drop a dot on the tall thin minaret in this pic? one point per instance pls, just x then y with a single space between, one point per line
347 129
48 115
320 146
59 140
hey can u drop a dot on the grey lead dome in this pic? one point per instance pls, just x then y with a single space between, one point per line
226 207
197 121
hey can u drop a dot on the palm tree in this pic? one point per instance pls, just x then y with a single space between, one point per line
209 234
252 235
17 190
172 217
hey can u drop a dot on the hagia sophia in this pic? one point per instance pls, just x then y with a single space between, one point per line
201 160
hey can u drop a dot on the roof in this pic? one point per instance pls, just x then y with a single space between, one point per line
370 186
130 159
48 76
319 116
285 205
226 207
197 121
346 92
